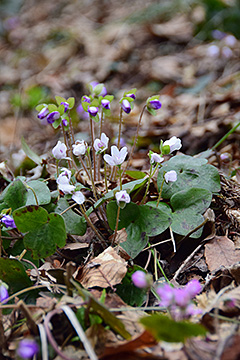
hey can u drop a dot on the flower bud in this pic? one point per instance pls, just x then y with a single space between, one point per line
170 176
101 145
140 280
59 151
122 197
126 106
86 99
43 113
93 110
155 158
53 116
79 148
171 145
154 104
64 122
66 105
106 104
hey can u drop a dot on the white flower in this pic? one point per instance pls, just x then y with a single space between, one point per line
122 196
156 158
174 143
59 151
63 184
79 148
101 145
78 197
65 172
117 156
170 176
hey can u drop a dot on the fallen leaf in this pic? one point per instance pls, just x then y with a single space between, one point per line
220 251
107 269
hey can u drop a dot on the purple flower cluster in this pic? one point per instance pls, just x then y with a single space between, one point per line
8 221
179 300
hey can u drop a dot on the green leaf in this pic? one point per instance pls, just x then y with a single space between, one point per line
127 215
40 107
41 190
56 123
44 231
59 99
150 222
16 194
71 102
108 97
75 224
196 199
85 105
98 88
31 154
130 294
186 220
52 107
191 173
61 109
135 174
166 329
12 272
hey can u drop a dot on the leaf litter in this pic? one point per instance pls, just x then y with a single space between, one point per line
59 47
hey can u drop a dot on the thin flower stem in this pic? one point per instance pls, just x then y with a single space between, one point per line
120 127
71 130
67 145
101 123
34 193
105 176
148 184
0 242
70 207
159 265
116 228
160 193
91 176
120 177
93 227
225 137
93 150
135 139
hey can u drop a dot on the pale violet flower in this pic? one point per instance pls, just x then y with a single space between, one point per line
27 348
59 151
213 51
43 113
3 291
7 221
101 145
122 197
93 110
78 197
170 176
230 40
53 116
154 104
79 148
65 172
117 157
155 158
140 280
174 143
106 104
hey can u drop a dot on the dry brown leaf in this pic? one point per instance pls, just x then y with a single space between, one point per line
178 28
221 252
107 269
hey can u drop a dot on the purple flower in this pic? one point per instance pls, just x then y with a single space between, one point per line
213 51
3 291
193 288
53 116
230 40
117 156
86 99
59 151
8 221
170 176
132 95
126 106
101 145
66 105
63 184
106 104
122 197
93 110
218 35
226 52
139 279
182 297
154 104
166 294
64 122
43 113
155 158
27 348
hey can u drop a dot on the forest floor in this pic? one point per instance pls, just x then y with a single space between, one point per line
53 48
